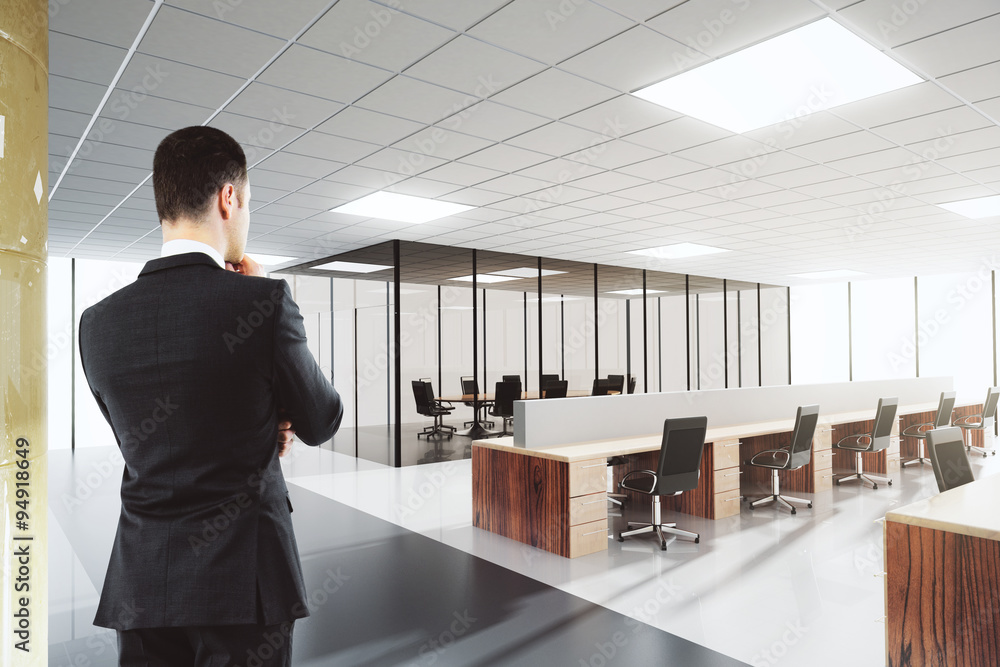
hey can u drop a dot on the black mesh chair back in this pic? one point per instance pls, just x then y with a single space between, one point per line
503 400
885 417
421 393
947 453
547 379
511 378
469 387
556 389
680 455
631 384
617 383
946 405
990 406
601 387
806 418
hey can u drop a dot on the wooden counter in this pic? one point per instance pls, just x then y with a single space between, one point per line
942 561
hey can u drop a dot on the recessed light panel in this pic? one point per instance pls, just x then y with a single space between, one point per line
818 66
636 292
984 207
832 273
351 267
484 278
270 260
525 272
401 208
679 251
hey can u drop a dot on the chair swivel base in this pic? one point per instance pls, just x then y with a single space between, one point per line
981 450
442 430
618 499
915 459
863 477
658 529
784 501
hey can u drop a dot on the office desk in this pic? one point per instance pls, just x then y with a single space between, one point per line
554 498
942 578
525 396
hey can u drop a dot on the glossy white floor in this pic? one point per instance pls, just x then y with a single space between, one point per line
765 587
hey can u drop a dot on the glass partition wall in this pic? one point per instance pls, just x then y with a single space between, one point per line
390 315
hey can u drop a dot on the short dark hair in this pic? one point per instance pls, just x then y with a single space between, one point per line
190 166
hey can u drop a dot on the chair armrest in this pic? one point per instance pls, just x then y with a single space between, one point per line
914 429
772 451
621 482
968 420
858 437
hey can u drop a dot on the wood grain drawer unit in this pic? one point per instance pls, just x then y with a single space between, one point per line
586 477
726 479
727 503
726 454
588 538
585 509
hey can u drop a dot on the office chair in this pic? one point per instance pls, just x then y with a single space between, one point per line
617 383
981 422
876 441
471 386
547 379
946 447
946 405
601 387
503 403
511 378
797 454
556 389
423 394
631 384
677 471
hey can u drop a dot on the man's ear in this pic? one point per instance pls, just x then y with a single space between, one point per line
227 201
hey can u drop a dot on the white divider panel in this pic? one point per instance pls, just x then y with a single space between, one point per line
559 421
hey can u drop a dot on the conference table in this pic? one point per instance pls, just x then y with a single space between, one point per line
555 498
477 430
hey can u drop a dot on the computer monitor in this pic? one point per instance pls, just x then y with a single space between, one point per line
947 452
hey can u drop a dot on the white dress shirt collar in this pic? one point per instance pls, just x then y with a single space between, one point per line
181 246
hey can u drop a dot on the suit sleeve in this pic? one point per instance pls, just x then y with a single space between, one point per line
83 364
312 404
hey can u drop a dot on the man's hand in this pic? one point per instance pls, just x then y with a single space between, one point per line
247 266
286 434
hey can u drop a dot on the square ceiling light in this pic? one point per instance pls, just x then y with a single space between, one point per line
401 208
832 273
636 292
351 267
484 278
525 272
983 207
818 66
270 260
679 251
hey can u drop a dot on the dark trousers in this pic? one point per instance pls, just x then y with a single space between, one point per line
207 646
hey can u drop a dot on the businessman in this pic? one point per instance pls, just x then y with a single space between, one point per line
202 370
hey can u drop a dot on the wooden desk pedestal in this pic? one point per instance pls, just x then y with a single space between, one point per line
553 505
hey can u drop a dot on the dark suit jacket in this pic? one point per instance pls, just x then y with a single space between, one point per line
189 364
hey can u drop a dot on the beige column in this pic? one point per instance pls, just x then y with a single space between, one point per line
24 42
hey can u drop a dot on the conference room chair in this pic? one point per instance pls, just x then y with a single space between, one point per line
556 389
617 383
511 378
946 449
470 386
876 441
601 387
503 403
423 395
946 405
547 379
981 421
677 471
631 384
797 454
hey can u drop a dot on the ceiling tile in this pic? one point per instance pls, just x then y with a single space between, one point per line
278 19
554 94
259 100
415 100
82 59
473 67
966 46
318 73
